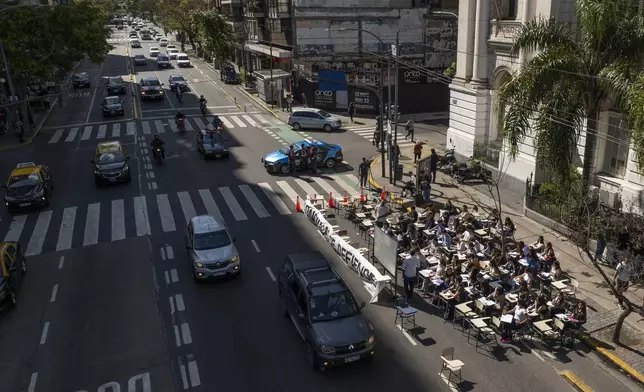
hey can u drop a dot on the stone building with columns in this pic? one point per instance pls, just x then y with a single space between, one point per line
486 30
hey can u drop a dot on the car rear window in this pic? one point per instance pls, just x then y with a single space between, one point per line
163 58
183 58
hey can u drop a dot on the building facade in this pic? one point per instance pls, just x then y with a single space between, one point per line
486 30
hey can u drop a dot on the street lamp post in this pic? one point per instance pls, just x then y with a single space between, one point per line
382 127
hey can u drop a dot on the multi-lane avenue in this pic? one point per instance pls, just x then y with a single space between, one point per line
109 303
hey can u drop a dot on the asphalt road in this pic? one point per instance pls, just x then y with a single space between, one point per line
109 301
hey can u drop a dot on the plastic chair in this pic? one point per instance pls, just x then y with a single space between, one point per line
452 365
405 313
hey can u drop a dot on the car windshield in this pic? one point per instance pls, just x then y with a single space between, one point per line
324 114
332 306
286 149
212 138
107 158
27 179
183 58
115 80
139 56
163 58
150 82
177 78
154 49
81 76
212 240
112 100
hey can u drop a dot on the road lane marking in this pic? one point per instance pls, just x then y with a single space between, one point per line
262 120
353 178
165 212
172 308
174 276
406 334
40 232
87 132
257 205
167 278
102 131
32 382
351 191
250 120
270 273
238 121
175 128
61 262
209 203
71 135
66 231
141 216
290 192
151 174
91 224
308 190
193 370
56 137
184 376
185 333
146 127
227 123
186 206
160 127
118 220
256 246
181 306
15 229
153 185
116 130
129 128
169 252
54 292
43 336
199 122
162 251
232 203
274 198
177 336
324 185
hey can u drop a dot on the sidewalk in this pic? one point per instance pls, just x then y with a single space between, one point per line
602 307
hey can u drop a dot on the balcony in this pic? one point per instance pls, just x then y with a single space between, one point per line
232 13
279 9
502 32
254 9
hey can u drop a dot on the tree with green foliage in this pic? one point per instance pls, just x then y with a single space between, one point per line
575 70
180 15
216 34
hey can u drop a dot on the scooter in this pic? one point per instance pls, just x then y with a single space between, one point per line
202 107
179 95
181 124
158 154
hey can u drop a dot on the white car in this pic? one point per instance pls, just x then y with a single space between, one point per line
154 51
135 43
173 53
183 60
170 46
163 42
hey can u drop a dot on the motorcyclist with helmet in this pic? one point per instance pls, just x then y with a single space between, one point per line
157 143
202 103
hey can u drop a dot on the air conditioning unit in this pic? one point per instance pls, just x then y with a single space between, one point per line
608 198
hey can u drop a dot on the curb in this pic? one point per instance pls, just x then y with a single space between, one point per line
373 182
607 355
259 103
573 380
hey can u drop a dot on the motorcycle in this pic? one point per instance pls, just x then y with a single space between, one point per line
181 124
475 171
158 154
179 95
446 161
202 107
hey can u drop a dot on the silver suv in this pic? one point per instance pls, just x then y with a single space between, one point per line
311 118
211 249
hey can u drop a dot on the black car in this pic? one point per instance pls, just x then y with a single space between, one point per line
115 85
177 81
111 164
112 106
151 88
324 311
212 144
140 59
81 80
13 268
29 186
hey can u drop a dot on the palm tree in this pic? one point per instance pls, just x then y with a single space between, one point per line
562 88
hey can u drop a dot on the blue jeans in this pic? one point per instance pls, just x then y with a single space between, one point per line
409 284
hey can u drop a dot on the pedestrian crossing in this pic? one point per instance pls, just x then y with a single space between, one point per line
110 221
78 95
149 127
367 133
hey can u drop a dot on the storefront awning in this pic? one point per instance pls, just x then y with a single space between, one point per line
267 50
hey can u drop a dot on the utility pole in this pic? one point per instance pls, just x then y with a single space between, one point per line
395 53
270 46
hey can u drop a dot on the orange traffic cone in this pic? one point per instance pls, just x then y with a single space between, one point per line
346 198
298 208
330 204
362 199
383 194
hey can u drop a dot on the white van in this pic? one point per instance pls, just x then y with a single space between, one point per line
135 43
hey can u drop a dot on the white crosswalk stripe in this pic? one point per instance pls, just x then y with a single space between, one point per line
102 131
130 128
199 122
146 127
158 124
57 135
115 220
116 130
239 122
367 133
87 133
249 120
71 135
227 123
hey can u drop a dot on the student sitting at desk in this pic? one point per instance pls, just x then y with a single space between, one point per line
453 295
538 244
446 239
558 304
489 249
478 247
465 215
498 296
540 308
468 235
387 229
578 316
523 249
449 207
556 273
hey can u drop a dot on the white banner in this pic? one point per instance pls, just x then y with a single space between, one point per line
374 281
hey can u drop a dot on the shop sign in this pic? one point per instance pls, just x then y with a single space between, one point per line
413 76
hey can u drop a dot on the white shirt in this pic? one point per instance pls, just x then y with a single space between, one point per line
381 211
467 236
519 314
623 272
410 266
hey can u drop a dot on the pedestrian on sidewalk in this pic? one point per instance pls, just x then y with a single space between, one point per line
289 102
418 150
409 127
426 188
410 267
622 278
352 111
433 164
363 170
303 99
20 129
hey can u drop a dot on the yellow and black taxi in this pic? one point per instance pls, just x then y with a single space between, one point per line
29 185
212 144
13 267
111 164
